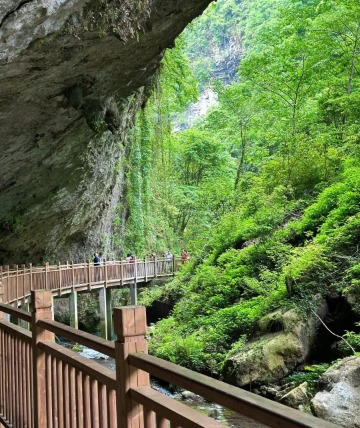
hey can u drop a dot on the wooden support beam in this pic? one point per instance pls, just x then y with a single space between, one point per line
130 329
41 303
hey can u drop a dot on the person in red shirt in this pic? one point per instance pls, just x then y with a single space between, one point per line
184 256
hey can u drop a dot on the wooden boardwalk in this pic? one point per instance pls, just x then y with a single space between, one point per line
19 281
44 385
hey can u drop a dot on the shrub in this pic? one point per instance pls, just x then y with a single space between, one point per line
310 374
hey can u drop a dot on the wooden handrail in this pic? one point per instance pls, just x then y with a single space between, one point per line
251 405
91 368
44 384
62 279
177 413
15 330
89 340
18 313
55 268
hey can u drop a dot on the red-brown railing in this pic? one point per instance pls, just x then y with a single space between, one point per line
44 385
18 282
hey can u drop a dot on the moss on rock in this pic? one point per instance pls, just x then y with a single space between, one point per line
273 355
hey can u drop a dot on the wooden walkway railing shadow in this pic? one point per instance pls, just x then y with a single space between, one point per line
44 385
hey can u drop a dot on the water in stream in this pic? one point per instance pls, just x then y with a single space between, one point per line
225 416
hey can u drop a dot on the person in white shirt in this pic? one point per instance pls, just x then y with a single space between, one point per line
168 259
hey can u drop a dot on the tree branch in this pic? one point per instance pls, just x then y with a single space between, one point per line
336 335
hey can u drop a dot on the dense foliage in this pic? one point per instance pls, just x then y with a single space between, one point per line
264 190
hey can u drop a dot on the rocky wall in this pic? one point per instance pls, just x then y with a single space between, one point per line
72 75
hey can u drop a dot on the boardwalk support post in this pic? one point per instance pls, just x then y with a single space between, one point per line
105 312
133 293
41 303
130 329
73 309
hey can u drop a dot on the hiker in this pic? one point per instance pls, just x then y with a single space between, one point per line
97 259
184 256
97 272
168 261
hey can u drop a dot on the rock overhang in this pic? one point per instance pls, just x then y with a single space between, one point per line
72 75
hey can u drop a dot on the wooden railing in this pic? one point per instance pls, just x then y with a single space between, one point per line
44 385
18 282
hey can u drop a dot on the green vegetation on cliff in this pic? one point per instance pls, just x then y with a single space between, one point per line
264 190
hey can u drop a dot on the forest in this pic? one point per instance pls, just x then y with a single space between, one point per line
264 189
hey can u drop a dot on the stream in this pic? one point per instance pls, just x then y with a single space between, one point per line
225 416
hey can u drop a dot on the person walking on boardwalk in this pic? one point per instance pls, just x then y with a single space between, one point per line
96 259
96 267
168 261
184 256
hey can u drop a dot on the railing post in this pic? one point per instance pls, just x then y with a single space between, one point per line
6 291
46 275
155 267
23 267
17 285
136 266
105 273
1 292
89 274
72 274
145 268
31 277
130 329
59 267
121 273
41 303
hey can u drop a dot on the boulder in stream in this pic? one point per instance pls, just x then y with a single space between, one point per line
339 402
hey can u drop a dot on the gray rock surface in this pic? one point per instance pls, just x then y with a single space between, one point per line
72 75
284 341
296 397
339 402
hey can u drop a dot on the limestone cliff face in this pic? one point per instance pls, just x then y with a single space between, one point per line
72 75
